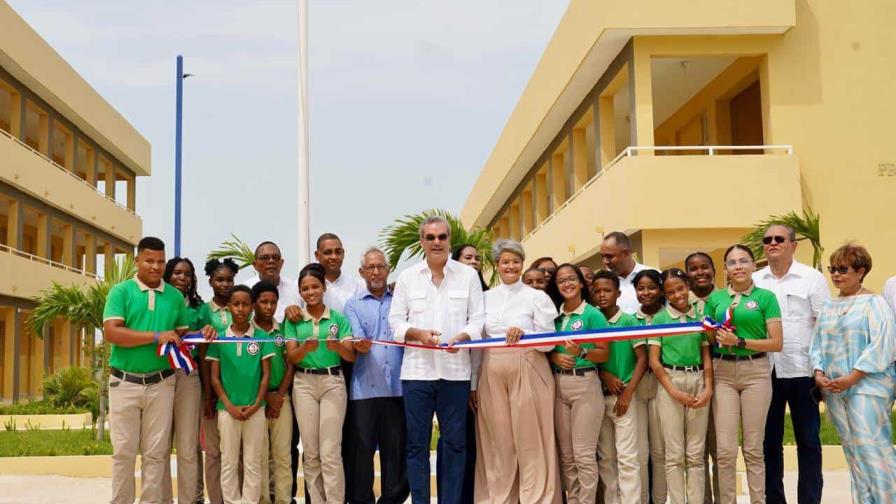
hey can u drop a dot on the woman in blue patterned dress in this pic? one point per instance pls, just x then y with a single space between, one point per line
853 353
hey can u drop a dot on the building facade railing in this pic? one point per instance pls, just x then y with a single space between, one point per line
49 262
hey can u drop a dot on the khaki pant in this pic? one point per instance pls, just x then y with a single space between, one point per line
684 431
743 392
276 462
140 422
650 441
617 453
578 403
211 445
248 435
187 412
320 402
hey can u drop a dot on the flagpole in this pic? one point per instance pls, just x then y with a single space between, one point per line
304 168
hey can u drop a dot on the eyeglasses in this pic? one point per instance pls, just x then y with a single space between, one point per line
268 258
842 270
778 239
743 261
431 238
567 280
375 267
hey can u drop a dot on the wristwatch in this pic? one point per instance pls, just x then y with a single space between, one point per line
741 343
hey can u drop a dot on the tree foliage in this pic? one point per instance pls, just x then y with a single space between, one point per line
236 249
806 227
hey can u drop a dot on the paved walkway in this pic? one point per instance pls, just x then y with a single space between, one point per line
66 490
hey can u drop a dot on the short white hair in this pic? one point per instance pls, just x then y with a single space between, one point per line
512 246
371 250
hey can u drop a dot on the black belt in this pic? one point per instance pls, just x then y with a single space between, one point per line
733 357
335 370
582 371
673 367
141 379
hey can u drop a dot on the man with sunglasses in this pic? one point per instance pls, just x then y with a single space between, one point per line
801 291
436 301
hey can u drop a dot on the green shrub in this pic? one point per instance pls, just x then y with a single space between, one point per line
72 387
42 407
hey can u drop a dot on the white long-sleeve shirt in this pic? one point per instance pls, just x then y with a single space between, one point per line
801 292
890 293
516 305
454 307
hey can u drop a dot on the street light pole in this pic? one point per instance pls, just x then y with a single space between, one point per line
178 139
304 169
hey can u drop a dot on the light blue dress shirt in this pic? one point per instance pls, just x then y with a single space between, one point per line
378 372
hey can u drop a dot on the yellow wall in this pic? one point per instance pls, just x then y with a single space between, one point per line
31 60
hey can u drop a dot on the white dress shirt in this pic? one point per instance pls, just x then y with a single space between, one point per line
454 307
340 291
515 305
288 294
890 293
628 300
801 292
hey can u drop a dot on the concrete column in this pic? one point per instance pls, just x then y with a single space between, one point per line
569 166
108 254
16 225
11 362
90 253
641 100
579 157
69 156
91 168
43 236
527 211
542 195
592 140
110 180
132 193
607 132
68 245
36 366
17 116
515 226
558 186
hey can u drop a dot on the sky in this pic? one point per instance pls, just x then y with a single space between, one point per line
407 100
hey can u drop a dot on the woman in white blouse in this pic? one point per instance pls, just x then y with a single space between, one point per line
517 460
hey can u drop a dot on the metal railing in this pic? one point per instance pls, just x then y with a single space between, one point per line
711 150
67 172
48 262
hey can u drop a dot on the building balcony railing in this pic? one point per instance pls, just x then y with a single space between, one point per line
48 262
632 152
67 172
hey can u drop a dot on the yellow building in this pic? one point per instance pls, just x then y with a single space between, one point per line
802 88
68 169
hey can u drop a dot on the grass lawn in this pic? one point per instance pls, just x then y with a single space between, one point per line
32 443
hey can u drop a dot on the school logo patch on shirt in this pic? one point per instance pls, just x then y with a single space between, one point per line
751 305
334 329
252 348
576 325
278 341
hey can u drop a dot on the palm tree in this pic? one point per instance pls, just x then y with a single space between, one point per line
83 307
806 227
234 248
401 239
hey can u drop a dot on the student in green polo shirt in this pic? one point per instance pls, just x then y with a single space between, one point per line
619 458
140 314
240 375
278 409
578 399
179 272
214 313
743 386
315 345
683 366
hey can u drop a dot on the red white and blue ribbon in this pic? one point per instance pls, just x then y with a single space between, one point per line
604 334
178 356
728 323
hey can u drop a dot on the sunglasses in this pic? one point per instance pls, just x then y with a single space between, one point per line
441 237
842 270
778 239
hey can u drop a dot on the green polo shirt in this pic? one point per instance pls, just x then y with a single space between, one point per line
194 321
754 308
332 325
240 365
148 309
278 362
622 360
683 349
583 318
218 317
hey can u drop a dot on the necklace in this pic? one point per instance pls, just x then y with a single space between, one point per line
844 311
